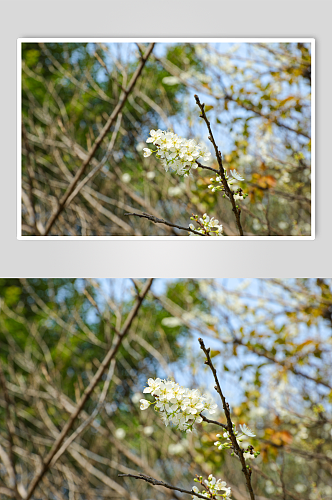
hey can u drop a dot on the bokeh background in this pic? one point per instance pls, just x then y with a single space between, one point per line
258 97
271 343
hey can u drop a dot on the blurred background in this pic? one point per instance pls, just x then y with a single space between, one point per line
270 341
258 99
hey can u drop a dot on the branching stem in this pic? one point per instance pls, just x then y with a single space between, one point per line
156 220
221 171
235 445
156 482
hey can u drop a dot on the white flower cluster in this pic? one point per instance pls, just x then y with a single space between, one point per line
175 152
245 431
214 487
218 186
207 225
177 405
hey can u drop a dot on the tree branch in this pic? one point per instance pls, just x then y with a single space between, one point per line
221 172
207 168
213 421
237 450
155 482
163 221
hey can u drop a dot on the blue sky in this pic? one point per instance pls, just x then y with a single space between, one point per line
121 288
127 52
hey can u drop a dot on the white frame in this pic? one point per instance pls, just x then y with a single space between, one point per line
162 40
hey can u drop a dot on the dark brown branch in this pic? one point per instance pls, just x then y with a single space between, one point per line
97 142
207 168
154 219
213 421
221 172
88 391
235 445
155 482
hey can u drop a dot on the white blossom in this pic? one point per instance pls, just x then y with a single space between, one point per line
238 197
217 184
175 152
144 404
236 175
214 487
245 430
176 404
207 225
147 152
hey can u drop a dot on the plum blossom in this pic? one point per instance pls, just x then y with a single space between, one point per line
236 175
144 404
215 488
177 405
175 152
147 152
217 185
207 226
245 430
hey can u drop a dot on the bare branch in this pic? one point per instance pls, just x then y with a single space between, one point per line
228 190
209 421
237 450
163 221
207 168
155 482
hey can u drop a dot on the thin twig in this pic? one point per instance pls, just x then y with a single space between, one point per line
221 172
163 221
235 445
213 421
207 168
98 141
155 482
88 391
